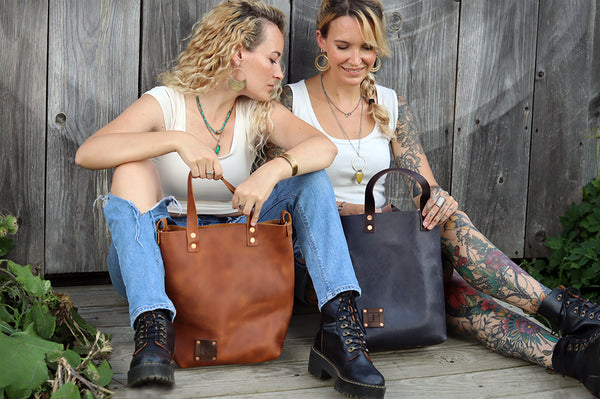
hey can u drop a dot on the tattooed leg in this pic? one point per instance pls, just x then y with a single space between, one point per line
496 327
487 269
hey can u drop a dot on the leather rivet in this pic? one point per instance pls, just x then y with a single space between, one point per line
193 235
252 229
193 246
370 227
369 217
252 240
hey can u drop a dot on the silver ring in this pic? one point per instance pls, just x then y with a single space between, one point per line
241 207
210 172
440 201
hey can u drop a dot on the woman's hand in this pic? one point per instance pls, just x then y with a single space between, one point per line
252 193
200 158
439 208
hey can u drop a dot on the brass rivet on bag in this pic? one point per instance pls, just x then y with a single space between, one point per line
193 246
193 235
252 229
252 240
370 227
369 217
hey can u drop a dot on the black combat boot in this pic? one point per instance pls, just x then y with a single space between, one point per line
152 361
569 313
579 358
340 351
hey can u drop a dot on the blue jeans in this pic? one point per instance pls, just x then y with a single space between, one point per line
135 264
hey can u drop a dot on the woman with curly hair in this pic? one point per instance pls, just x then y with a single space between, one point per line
365 121
214 110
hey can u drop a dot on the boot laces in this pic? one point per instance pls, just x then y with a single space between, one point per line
578 306
150 327
351 325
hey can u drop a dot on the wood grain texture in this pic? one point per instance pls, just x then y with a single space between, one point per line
23 133
92 78
458 368
494 97
560 117
423 37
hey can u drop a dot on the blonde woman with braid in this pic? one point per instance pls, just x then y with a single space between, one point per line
214 110
364 120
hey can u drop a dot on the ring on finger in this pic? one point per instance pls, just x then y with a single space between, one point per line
241 207
210 172
440 201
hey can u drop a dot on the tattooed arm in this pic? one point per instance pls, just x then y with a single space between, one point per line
409 154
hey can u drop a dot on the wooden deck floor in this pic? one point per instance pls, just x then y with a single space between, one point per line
458 368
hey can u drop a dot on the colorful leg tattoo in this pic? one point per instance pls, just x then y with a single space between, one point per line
495 326
487 269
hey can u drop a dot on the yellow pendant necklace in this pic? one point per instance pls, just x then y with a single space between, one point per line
359 163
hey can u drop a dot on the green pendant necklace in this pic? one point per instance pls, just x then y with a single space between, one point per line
217 134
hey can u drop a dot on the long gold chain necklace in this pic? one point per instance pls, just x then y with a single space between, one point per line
359 163
217 134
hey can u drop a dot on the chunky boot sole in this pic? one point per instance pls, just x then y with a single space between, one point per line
321 367
142 374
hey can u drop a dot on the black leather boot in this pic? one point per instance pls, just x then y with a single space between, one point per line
152 361
340 351
579 358
569 313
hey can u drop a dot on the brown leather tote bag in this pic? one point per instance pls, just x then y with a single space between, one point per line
232 285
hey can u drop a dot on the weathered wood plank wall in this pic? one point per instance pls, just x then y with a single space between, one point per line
504 93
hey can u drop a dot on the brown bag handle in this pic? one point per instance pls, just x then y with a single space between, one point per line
192 220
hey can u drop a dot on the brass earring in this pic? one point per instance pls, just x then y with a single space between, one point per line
235 84
318 62
376 65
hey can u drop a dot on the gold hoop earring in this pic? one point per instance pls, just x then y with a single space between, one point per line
235 84
376 65
322 58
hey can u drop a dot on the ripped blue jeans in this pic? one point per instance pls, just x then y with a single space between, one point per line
135 264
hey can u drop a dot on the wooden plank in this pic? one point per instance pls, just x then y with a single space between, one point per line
560 117
304 46
23 134
423 37
92 77
458 368
166 25
592 143
493 117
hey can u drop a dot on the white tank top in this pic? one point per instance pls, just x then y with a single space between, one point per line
374 148
212 197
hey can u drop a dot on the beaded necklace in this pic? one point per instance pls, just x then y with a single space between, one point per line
217 134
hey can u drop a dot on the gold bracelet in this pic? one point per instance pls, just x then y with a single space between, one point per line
292 161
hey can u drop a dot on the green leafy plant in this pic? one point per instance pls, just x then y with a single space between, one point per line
46 349
575 259
8 226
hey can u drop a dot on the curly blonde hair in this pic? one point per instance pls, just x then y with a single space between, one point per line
369 14
214 41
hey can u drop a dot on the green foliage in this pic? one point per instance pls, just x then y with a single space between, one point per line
575 259
8 226
46 349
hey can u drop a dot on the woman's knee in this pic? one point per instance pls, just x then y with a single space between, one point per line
138 182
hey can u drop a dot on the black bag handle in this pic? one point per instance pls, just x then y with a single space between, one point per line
370 200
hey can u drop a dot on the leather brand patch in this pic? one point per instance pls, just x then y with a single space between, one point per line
373 318
205 350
